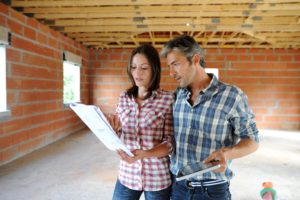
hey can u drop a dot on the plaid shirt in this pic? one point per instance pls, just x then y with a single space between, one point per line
219 118
144 128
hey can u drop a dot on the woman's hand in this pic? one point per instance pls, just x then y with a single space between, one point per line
138 154
114 122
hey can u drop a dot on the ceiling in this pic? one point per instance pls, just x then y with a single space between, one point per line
213 23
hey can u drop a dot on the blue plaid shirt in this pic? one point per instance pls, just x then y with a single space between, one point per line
219 118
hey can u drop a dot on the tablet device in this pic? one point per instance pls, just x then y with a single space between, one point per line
194 170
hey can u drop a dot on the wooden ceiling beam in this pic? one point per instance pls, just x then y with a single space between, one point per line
167 21
48 3
168 14
256 28
102 34
129 23
164 40
163 8
206 46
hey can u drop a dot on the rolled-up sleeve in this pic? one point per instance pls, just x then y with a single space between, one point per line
242 119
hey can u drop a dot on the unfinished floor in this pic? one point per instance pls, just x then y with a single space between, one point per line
79 167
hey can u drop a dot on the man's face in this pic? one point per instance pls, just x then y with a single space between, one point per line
180 68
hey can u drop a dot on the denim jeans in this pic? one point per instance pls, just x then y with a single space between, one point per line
181 191
124 193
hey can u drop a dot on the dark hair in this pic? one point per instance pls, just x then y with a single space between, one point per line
153 59
187 46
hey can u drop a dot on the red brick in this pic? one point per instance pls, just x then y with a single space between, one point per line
3 8
297 58
231 57
13 55
257 58
2 20
212 51
225 51
9 154
53 43
33 72
30 33
43 28
41 38
245 57
18 16
272 58
286 111
39 61
33 23
19 137
11 97
29 46
39 96
214 58
15 27
29 146
240 51
5 142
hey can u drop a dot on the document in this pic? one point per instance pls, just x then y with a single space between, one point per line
193 170
93 117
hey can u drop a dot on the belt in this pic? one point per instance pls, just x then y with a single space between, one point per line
192 184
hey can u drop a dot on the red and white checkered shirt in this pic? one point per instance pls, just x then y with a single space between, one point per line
144 128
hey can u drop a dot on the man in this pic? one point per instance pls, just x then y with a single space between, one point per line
212 123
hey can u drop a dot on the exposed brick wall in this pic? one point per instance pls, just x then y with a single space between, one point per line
35 86
270 78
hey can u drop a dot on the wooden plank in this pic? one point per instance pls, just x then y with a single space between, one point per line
281 28
179 21
170 8
103 34
207 46
48 3
170 14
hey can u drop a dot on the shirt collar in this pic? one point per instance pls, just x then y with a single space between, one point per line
153 95
212 85
210 89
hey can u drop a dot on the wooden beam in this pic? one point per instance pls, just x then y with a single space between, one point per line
163 8
237 28
168 14
48 3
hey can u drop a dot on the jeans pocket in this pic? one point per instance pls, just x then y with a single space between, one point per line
218 192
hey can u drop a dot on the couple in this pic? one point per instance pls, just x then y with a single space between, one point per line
206 120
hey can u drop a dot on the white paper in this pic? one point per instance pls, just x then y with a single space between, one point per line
93 117
201 169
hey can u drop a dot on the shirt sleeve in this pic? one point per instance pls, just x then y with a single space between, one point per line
168 125
242 119
119 108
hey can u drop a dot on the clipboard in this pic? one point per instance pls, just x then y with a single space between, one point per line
194 170
95 120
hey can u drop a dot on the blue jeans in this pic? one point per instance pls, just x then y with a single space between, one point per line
181 191
124 193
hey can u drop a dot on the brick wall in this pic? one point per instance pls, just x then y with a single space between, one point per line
269 77
35 86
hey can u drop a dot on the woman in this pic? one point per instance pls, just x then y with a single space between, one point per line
144 121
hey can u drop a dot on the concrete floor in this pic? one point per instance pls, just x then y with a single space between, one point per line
79 167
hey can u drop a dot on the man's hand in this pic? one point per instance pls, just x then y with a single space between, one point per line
242 148
218 157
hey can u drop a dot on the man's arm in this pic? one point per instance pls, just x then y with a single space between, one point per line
242 148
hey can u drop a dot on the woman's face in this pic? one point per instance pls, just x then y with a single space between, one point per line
141 71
